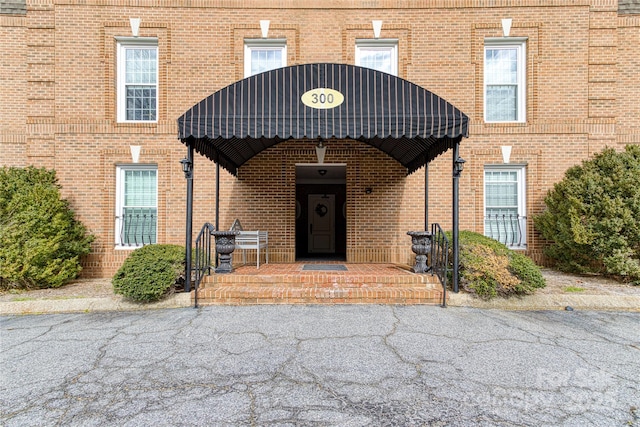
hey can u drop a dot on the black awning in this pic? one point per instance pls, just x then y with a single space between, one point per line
407 122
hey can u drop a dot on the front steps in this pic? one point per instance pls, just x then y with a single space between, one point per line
290 284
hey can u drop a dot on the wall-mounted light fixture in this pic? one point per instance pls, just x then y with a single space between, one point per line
264 27
459 166
506 27
135 26
320 151
377 27
506 153
368 190
135 153
187 168
322 172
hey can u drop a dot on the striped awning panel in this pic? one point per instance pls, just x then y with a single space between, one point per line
402 119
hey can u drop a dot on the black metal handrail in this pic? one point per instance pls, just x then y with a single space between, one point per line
136 229
440 258
201 257
506 228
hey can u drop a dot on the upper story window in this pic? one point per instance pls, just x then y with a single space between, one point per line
504 80
262 55
136 205
505 204
138 80
378 54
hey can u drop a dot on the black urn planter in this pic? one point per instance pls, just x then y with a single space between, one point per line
225 245
421 246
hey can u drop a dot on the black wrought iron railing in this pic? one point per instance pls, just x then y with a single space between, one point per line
440 258
136 229
201 257
506 228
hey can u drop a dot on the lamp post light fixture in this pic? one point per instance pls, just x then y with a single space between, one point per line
187 168
459 167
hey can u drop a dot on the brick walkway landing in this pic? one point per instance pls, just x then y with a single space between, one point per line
290 284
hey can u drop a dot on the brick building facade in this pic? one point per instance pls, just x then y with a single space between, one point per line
559 87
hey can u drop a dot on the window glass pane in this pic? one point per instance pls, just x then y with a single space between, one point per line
377 59
139 226
141 65
141 103
265 59
502 195
501 66
140 188
502 103
505 226
501 189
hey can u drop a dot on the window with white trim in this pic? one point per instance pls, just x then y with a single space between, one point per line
378 54
264 55
136 205
505 204
504 80
137 65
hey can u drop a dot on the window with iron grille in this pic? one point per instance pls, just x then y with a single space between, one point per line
264 55
138 80
136 205
378 54
504 201
504 80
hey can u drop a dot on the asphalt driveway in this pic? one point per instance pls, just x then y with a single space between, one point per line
321 365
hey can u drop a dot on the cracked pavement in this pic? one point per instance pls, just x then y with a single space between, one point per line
321 365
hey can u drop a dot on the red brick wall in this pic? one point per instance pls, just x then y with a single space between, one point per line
58 108
13 92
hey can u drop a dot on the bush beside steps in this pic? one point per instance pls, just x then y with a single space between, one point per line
489 269
150 273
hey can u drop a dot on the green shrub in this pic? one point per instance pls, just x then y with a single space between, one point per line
488 268
592 216
528 273
150 272
41 242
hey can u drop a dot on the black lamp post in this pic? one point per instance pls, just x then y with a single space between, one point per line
458 167
187 168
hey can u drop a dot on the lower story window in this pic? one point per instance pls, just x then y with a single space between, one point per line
504 200
136 205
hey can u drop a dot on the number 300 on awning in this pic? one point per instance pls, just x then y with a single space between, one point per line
322 98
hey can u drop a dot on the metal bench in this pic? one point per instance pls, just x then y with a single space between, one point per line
251 240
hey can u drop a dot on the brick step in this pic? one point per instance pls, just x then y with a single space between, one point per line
321 281
293 284
257 294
